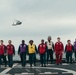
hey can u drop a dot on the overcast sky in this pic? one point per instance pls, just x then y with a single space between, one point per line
40 18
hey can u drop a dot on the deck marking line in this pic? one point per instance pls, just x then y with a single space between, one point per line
64 72
27 70
38 70
49 73
28 73
8 69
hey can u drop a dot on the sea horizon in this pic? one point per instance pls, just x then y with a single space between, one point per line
17 57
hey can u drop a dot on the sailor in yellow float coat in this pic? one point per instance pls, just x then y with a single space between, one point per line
32 50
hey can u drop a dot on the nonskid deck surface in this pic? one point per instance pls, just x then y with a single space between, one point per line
50 69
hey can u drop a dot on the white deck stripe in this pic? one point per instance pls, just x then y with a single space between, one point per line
65 64
50 64
49 73
28 73
27 70
64 72
38 70
8 69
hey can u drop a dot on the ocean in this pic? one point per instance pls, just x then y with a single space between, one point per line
17 57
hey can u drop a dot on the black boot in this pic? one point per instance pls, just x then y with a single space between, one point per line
44 65
34 64
30 65
41 65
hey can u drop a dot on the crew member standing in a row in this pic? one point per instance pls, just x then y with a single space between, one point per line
10 53
50 49
42 51
32 50
59 48
22 51
75 49
2 53
69 49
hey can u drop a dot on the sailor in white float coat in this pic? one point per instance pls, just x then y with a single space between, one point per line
50 49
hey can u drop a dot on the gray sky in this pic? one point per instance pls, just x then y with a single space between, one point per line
40 18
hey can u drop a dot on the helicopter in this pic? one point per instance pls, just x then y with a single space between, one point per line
16 22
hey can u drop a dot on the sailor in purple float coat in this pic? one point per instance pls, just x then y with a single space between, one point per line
22 52
75 49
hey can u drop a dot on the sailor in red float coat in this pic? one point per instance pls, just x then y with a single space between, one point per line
2 49
42 51
58 51
10 49
42 48
10 52
69 49
2 53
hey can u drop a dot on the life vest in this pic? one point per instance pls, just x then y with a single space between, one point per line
31 48
42 48
2 49
59 46
50 45
69 48
22 48
10 49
